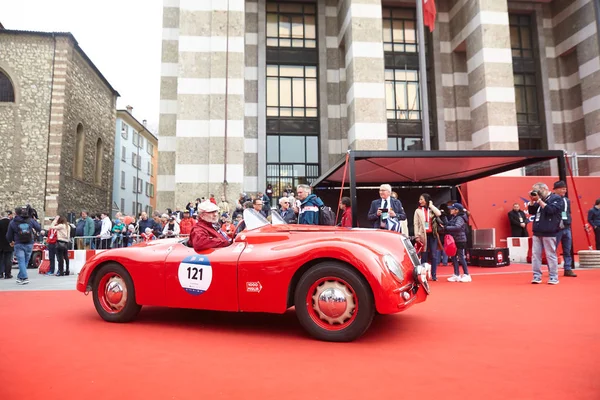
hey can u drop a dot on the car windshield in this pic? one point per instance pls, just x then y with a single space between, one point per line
277 219
254 219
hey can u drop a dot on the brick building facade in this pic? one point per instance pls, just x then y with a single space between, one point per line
57 130
309 79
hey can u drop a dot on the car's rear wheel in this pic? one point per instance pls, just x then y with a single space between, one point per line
114 294
36 260
334 302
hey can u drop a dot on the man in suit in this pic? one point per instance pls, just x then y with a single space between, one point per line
384 208
518 222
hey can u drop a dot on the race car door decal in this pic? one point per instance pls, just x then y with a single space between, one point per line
206 280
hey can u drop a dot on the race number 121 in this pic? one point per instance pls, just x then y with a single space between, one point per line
194 273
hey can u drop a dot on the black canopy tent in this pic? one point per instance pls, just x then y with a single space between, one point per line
427 168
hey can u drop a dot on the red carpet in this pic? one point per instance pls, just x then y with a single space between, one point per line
496 338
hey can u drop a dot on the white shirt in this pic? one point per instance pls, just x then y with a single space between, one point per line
106 227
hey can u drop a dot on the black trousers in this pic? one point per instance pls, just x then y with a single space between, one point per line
597 234
6 262
62 255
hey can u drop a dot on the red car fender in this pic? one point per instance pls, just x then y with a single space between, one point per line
147 272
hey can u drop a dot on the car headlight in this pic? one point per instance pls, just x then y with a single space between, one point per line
395 268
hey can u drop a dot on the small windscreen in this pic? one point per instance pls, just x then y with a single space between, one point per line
277 219
254 219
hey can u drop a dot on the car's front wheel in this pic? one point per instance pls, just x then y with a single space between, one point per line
114 294
36 260
334 302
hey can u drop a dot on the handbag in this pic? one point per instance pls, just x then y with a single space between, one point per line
62 245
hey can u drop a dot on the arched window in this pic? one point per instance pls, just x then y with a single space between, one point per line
99 156
7 91
79 152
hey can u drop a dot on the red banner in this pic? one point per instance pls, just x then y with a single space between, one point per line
429 13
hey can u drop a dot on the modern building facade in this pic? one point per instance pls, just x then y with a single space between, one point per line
135 166
307 80
57 118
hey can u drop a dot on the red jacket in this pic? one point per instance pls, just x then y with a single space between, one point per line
347 218
186 225
205 236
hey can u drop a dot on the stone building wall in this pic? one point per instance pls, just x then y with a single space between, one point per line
56 88
90 102
24 124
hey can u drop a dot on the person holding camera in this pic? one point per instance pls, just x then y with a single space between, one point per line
384 208
565 237
547 208
21 232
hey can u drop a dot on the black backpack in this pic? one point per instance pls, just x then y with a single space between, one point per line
326 216
24 232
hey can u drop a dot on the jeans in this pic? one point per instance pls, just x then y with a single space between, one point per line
548 244
432 245
52 256
443 256
23 254
460 256
565 238
5 262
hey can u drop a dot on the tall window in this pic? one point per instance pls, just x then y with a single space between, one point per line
403 103
531 129
7 91
79 152
291 91
124 130
291 25
122 206
402 94
122 179
292 95
99 157
399 30
123 153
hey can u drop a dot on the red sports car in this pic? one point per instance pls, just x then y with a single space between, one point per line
336 278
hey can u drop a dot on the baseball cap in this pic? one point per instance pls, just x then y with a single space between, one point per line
456 206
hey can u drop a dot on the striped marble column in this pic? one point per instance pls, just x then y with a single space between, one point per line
210 125
481 27
361 36
165 195
251 97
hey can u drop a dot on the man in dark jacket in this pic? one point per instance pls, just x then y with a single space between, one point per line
308 212
547 208
21 232
6 250
385 207
518 222
564 236
594 222
288 215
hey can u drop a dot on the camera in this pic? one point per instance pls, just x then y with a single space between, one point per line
534 193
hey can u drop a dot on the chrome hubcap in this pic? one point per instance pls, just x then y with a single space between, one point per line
115 293
333 302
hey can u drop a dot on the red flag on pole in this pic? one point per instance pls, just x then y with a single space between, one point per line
429 12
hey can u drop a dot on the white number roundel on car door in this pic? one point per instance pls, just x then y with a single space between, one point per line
195 274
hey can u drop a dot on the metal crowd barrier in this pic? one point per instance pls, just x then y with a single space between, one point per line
115 241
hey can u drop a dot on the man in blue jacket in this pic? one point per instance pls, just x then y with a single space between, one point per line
308 212
594 222
547 208
564 237
21 232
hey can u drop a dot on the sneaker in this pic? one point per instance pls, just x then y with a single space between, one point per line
553 281
536 281
22 281
49 273
569 272
465 278
454 278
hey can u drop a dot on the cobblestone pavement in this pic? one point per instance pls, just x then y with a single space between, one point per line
38 282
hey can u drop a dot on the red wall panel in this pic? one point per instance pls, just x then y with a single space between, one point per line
490 199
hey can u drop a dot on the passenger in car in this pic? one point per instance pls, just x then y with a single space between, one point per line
206 234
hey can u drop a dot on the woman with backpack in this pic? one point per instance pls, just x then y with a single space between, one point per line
426 224
457 227
63 232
